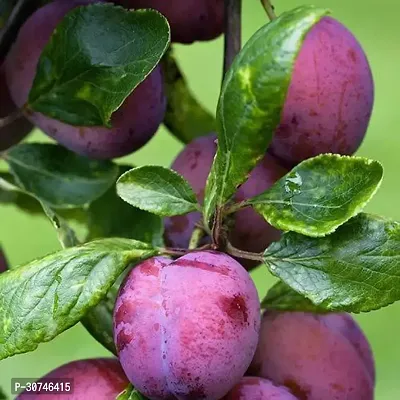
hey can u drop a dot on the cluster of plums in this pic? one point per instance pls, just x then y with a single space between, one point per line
191 328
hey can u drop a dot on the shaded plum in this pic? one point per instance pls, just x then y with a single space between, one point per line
313 356
187 328
190 20
254 388
3 262
330 97
17 130
100 378
133 124
250 232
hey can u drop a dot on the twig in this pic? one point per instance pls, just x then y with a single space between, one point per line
233 31
233 251
235 207
269 8
197 235
10 118
171 251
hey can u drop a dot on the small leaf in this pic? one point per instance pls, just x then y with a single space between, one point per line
282 297
130 393
252 99
185 117
158 190
314 198
355 269
95 58
58 176
40 300
109 216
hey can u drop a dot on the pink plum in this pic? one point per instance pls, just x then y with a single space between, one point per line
100 379
313 356
133 124
330 98
251 232
190 20
187 328
254 388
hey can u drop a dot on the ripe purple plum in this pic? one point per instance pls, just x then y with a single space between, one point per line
17 130
133 124
101 379
316 356
254 388
250 232
190 20
187 328
3 262
330 98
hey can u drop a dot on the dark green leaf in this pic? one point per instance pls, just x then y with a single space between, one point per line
252 99
3 261
95 58
283 298
185 117
158 190
58 176
3 395
314 198
130 393
41 299
109 216
5 9
355 269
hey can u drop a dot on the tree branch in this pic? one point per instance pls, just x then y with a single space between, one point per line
269 8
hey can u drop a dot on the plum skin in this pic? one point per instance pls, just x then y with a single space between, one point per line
187 328
255 388
316 356
3 262
250 231
17 130
133 124
101 378
330 98
190 20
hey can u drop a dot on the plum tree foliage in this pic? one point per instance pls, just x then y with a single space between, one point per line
159 275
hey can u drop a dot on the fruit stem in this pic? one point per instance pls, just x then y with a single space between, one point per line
233 31
233 251
172 251
10 118
197 235
269 8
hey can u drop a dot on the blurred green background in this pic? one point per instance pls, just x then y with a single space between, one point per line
375 23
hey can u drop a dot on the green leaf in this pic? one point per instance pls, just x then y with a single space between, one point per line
252 99
158 190
356 269
95 58
58 176
3 395
314 198
130 393
40 300
109 216
185 117
282 297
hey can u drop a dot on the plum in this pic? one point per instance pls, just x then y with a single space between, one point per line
3 262
250 232
313 356
101 379
190 20
254 388
187 328
133 124
17 130
330 98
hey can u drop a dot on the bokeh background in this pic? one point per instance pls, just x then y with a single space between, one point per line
375 24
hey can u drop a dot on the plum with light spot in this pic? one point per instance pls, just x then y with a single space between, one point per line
316 356
133 124
330 98
17 130
254 388
100 379
190 20
250 231
187 328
